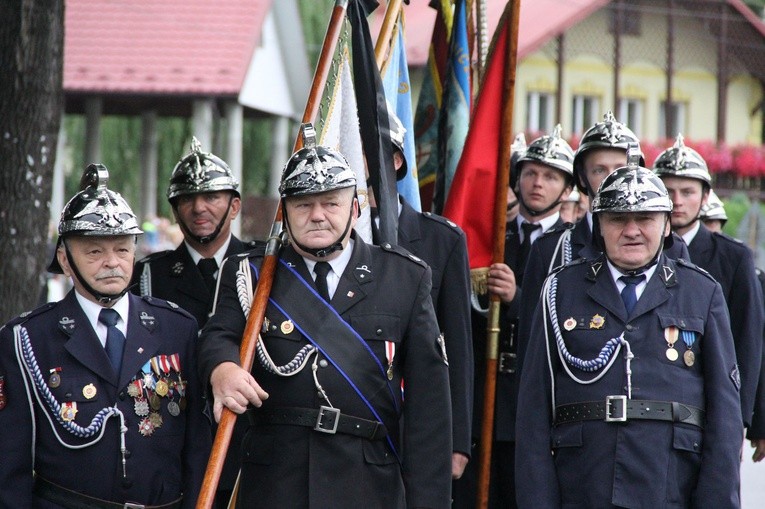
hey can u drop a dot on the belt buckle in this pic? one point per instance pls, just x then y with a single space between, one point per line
327 411
622 399
507 363
128 505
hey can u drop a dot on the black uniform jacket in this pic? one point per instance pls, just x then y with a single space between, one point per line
506 395
442 245
730 262
159 467
539 266
173 275
384 295
638 463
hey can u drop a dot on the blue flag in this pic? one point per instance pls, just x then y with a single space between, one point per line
398 92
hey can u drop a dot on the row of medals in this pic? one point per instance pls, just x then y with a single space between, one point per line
147 393
671 334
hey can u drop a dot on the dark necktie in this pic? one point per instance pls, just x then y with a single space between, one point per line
523 255
115 340
321 269
629 295
208 266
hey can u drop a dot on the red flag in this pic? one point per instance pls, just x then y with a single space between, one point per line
470 202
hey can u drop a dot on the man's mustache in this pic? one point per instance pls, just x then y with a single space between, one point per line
110 273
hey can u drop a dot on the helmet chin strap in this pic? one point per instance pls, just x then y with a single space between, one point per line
651 263
102 298
322 252
689 223
206 239
535 213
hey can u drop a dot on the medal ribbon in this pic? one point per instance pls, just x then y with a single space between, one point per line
175 362
689 338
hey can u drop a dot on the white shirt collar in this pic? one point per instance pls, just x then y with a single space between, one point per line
338 267
616 274
92 310
219 255
691 234
546 223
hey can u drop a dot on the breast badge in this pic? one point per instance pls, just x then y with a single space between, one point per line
570 323
89 391
597 322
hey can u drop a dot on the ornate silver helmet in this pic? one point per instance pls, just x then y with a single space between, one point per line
713 208
315 169
517 150
632 188
550 150
200 172
682 161
610 133
95 210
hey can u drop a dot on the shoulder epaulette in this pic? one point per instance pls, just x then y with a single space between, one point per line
560 228
403 253
442 220
693 266
166 304
26 315
154 256
727 237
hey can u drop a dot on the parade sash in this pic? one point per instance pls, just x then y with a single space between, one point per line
343 347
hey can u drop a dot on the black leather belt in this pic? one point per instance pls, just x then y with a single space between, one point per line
69 499
621 409
323 420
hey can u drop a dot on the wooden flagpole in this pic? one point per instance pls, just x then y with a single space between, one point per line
498 254
268 268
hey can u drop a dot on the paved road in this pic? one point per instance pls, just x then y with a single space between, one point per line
752 481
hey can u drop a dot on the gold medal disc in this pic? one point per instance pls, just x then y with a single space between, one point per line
161 388
672 354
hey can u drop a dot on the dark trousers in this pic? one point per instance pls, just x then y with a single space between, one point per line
501 485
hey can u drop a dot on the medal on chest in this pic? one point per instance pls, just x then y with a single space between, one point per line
670 335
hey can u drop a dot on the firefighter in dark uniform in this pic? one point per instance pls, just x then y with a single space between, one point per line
442 245
685 174
629 395
602 149
205 200
350 381
545 178
204 196
100 402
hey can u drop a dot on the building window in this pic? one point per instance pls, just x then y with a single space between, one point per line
585 113
677 116
539 112
626 18
631 114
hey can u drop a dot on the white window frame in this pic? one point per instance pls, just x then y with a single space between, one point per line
681 111
631 113
585 113
539 112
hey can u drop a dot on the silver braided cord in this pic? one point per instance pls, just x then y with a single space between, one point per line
31 373
604 360
145 280
244 293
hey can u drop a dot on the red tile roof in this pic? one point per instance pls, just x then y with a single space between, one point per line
540 21
190 47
